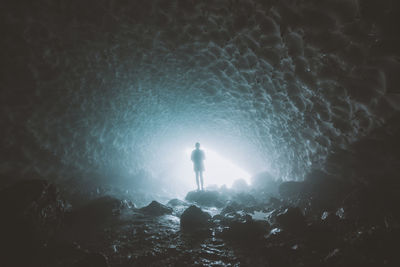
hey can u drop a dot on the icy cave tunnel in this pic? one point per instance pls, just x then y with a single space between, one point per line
106 98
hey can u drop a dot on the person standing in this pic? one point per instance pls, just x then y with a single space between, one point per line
198 158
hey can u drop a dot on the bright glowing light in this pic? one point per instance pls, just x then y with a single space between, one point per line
219 170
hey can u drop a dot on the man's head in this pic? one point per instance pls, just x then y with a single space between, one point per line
197 145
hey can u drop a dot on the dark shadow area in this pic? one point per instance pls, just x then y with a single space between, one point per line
99 99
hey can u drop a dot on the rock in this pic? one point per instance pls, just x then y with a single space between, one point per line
31 212
206 198
330 218
326 191
93 260
96 211
275 202
320 236
23 194
247 231
35 201
291 219
331 258
231 207
71 254
156 209
193 218
176 202
128 204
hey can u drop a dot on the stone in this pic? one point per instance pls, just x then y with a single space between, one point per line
93 260
206 198
275 202
156 209
31 212
247 231
193 218
231 207
330 218
96 211
291 219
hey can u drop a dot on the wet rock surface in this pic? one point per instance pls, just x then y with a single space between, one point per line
156 209
106 231
193 218
32 211
248 231
206 198
291 219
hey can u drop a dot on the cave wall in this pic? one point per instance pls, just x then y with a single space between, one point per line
100 86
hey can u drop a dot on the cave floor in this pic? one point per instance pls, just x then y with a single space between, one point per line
218 231
134 239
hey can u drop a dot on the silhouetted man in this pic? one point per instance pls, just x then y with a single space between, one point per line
198 158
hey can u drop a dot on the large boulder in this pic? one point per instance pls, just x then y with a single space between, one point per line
193 219
247 230
32 195
96 211
31 213
291 219
67 254
93 260
206 198
232 207
156 209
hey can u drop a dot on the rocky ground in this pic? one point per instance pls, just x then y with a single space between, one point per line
210 228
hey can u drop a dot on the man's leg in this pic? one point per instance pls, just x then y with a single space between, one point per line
201 180
197 180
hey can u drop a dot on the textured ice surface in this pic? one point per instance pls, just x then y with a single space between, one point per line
113 86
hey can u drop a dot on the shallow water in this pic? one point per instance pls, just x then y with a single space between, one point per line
133 239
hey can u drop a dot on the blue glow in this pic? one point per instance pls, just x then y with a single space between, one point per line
218 169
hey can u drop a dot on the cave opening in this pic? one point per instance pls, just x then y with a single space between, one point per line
295 103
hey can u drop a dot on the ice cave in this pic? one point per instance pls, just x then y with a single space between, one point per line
296 105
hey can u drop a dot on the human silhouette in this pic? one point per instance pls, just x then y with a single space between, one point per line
198 158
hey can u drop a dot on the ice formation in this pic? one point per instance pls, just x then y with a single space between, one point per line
112 87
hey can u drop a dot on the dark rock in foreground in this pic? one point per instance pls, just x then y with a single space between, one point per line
206 198
93 260
156 209
291 219
231 207
193 218
33 197
31 212
247 231
96 211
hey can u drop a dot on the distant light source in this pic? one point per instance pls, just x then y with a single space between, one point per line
218 169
